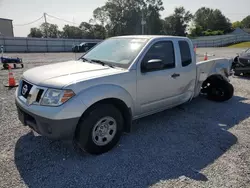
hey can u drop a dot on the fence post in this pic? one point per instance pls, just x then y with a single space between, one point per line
47 47
27 46
64 47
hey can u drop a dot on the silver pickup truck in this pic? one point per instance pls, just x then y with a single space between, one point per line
94 99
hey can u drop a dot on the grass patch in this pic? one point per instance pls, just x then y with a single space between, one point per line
241 45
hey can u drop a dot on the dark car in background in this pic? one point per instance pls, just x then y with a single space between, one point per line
84 47
241 63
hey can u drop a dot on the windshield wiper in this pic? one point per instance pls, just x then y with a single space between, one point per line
87 60
102 63
98 61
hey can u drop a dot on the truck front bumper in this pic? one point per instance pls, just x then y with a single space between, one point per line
63 129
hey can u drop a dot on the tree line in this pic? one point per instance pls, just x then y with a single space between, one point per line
127 17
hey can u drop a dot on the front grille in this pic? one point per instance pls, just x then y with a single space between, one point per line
25 89
243 60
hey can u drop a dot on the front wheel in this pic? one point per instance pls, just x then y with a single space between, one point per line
100 130
220 91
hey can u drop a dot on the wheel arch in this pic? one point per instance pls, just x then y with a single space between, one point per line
213 78
120 105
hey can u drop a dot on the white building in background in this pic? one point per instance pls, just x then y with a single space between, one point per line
6 28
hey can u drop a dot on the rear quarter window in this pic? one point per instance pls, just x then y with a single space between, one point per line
186 58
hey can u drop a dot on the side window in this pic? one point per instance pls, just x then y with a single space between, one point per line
186 57
163 50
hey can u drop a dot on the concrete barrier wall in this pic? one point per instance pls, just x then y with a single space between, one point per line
23 44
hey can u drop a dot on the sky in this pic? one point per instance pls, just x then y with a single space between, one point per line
76 11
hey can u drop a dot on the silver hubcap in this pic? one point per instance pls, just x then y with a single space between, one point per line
104 131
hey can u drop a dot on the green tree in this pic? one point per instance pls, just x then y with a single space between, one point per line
246 22
154 24
35 32
99 32
236 24
86 29
96 31
212 19
196 31
100 15
123 17
50 30
176 24
71 32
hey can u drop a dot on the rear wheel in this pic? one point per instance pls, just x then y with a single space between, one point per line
220 90
100 129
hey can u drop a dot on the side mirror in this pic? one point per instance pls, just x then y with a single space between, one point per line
153 64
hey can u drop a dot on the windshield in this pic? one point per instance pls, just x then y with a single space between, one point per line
118 52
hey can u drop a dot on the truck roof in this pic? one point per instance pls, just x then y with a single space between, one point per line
149 36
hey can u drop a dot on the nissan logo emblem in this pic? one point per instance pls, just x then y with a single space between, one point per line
24 89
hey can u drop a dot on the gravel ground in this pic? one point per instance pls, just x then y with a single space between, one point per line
198 144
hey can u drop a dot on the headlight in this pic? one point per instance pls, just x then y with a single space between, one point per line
56 97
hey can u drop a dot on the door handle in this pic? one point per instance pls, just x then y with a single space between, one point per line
175 75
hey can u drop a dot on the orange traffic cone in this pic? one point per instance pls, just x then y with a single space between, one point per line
205 58
12 82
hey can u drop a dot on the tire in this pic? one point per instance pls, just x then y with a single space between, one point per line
14 66
220 91
22 65
89 127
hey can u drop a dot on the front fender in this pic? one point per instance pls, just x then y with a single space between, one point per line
97 93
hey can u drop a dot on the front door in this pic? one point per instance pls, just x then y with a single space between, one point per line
158 88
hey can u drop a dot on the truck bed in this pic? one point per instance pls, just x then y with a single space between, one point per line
210 67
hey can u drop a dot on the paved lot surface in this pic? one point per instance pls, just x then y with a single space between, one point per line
199 144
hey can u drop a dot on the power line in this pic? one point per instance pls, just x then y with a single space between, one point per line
44 16
60 19
29 22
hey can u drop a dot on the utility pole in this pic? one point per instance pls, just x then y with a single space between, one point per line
46 25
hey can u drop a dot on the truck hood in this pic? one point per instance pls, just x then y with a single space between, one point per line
59 75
